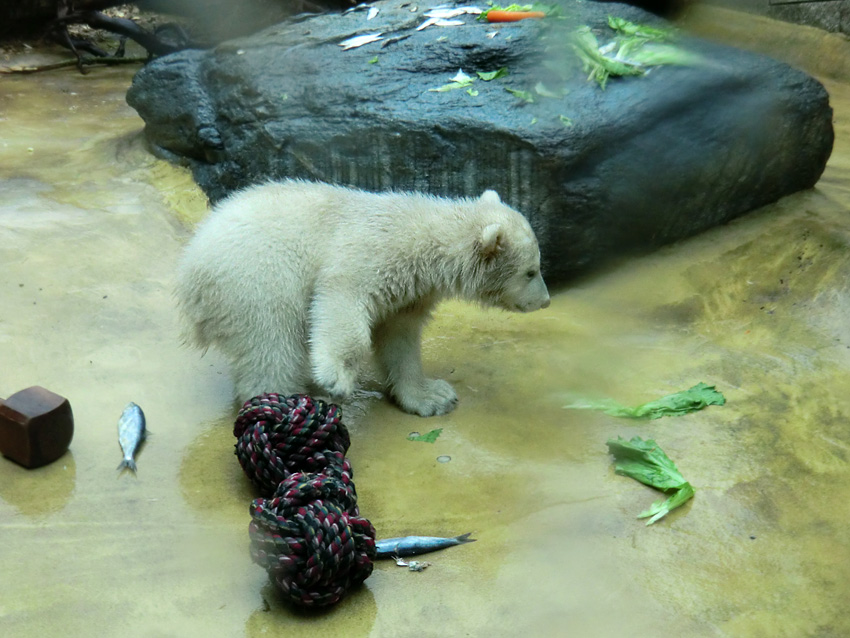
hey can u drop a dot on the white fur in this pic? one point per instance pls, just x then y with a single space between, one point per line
296 282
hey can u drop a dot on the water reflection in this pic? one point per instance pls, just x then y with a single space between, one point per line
211 479
353 617
39 492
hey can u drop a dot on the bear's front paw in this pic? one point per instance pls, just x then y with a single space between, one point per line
339 384
432 397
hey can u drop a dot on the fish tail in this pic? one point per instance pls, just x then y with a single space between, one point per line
131 464
464 538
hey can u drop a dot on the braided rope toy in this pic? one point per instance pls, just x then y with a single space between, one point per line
306 530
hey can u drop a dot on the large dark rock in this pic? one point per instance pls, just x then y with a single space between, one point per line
646 161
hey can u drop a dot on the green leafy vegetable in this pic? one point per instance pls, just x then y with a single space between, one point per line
512 7
649 46
451 86
460 81
625 27
493 75
472 92
598 66
523 95
428 437
656 54
374 60
565 120
659 509
646 462
634 48
690 400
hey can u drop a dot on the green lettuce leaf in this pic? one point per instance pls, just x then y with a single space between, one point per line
493 75
635 48
623 26
523 95
660 509
690 400
646 462
460 81
599 67
656 54
428 437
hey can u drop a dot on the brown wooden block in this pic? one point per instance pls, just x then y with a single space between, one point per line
36 427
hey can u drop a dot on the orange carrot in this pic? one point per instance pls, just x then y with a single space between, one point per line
512 16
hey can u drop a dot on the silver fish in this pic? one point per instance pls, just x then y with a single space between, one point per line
413 545
447 13
131 433
360 40
440 23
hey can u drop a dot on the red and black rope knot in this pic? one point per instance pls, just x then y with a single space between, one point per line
306 530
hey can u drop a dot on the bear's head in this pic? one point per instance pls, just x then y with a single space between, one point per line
509 259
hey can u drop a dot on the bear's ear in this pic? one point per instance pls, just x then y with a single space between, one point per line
492 240
490 197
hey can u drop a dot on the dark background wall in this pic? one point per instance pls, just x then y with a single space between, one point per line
830 15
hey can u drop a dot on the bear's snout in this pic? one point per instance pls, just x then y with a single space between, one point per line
538 306
539 295
531 306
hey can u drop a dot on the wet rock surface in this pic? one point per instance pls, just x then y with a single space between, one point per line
646 161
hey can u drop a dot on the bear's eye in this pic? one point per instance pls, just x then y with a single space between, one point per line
531 274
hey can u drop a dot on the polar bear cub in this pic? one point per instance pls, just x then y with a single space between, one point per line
298 282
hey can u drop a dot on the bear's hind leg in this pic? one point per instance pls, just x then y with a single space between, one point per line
398 347
269 362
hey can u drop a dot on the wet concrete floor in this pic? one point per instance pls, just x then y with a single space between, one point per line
90 228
